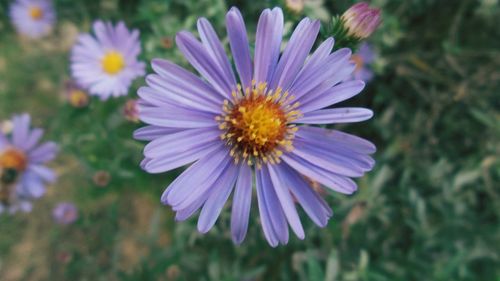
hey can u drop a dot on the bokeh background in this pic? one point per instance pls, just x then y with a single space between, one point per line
430 210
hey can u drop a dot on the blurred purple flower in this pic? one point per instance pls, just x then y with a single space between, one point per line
33 18
65 213
22 173
106 64
361 20
363 58
241 134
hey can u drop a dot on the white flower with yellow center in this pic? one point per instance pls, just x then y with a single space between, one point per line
106 65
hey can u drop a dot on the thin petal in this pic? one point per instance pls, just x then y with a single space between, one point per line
267 44
265 219
20 133
238 41
328 137
193 182
218 197
336 116
215 49
276 214
314 206
295 54
241 204
149 133
286 200
334 95
43 153
335 182
202 61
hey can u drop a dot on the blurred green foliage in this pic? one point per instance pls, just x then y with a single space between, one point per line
429 211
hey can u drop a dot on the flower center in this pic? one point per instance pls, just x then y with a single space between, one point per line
113 62
257 124
13 159
36 13
78 98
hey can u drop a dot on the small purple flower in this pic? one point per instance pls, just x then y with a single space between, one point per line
363 59
65 213
22 172
255 127
106 64
33 18
361 20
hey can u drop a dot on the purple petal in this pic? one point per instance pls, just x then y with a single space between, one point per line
333 181
188 85
315 76
295 54
169 162
327 160
241 204
175 117
198 178
272 204
328 137
149 133
32 139
286 200
179 142
354 163
238 40
264 212
319 56
312 203
43 153
267 44
201 60
217 198
214 47
44 173
336 116
163 91
21 125
334 95
31 186
187 212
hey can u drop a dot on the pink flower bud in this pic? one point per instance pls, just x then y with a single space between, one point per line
361 20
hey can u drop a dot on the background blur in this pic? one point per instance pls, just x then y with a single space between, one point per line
430 209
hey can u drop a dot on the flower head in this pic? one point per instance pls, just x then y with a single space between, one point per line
22 172
363 58
76 96
106 65
33 18
253 127
65 213
361 20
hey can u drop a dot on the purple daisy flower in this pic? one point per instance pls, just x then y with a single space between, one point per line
65 213
22 172
363 58
33 18
244 134
106 64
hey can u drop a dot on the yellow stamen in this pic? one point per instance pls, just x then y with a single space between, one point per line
113 62
36 12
